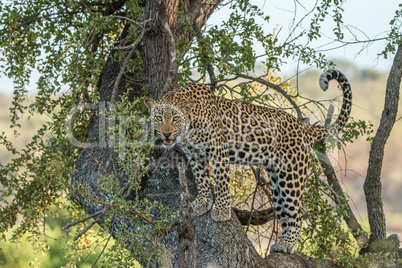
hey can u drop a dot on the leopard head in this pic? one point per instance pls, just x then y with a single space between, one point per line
170 121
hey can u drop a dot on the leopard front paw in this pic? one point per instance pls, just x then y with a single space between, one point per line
201 205
281 247
221 214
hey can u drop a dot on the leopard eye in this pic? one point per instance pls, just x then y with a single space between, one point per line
175 118
159 118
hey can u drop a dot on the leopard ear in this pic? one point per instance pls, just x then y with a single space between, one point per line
149 103
187 106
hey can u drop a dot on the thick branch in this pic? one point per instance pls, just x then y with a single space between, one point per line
372 185
256 217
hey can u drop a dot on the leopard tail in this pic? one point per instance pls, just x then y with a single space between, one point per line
320 133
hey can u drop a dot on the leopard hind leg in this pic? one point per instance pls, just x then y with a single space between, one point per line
287 209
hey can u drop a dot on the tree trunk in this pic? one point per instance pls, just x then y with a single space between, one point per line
372 185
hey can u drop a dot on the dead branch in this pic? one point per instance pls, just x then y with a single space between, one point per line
172 57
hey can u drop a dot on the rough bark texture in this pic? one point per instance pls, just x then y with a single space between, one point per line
372 185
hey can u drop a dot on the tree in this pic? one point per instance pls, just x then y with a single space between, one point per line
372 185
109 54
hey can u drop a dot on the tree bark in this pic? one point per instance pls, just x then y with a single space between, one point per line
372 184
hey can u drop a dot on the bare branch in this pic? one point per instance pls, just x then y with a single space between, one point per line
81 220
138 40
103 249
83 231
357 231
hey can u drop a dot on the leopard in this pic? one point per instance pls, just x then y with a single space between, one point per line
211 129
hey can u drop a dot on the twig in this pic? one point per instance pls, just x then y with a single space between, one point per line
147 220
131 20
81 220
83 231
337 200
256 175
103 249
141 25
261 181
113 204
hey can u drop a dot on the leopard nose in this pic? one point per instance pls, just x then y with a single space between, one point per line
167 134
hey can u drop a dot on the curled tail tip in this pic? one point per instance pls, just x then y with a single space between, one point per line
347 97
325 77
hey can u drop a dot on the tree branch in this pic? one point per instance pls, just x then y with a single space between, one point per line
125 63
201 42
255 217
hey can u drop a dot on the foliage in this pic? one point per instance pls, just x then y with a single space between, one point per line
394 36
68 45
121 202
369 260
53 249
323 235
383 245
354 129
